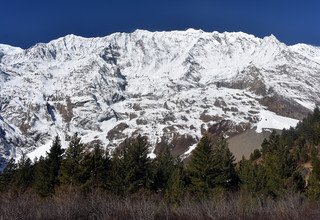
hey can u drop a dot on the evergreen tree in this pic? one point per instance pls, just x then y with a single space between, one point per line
6 177
42 184
24 175
48 169
137 164
246 174
96 164
271 144
223 161
116 183
313 189
54 159
212 167
255 155
175 186
280 168
200 167
252 176
72 171
162 168
130 169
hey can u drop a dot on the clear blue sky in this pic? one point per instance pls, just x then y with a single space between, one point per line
26 22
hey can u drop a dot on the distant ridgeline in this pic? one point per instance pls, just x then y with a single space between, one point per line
287 162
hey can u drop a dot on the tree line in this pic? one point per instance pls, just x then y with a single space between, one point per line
279 167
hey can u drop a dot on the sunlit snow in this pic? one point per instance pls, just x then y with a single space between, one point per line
153 83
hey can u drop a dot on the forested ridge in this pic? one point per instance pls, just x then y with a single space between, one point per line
286 167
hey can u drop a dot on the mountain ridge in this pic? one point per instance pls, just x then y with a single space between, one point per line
171 86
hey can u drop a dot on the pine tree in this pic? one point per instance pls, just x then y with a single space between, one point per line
256 154
223 161
313 189
96 165
175 187
212 167
107 170
72 171
200 168
137 164
130 167
42 184
162 168
252 176
48 169
271 144
280 168
24 175
116 183
6 177
54 159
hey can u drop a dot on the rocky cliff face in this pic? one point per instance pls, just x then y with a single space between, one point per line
170 86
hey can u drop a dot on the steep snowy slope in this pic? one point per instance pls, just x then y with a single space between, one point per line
170 86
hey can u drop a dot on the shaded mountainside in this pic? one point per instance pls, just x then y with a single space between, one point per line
170 86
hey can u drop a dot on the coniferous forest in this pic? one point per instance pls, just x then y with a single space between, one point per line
84 181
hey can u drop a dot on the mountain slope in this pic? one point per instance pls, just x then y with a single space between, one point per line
171 86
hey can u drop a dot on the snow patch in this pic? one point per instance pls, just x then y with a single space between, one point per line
191 148
40 151
270 120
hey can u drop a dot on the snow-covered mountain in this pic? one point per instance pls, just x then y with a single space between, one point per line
170 86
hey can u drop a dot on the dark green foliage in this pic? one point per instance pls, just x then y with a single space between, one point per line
280 167
176 185
54 159
307 132
131 167
117 183
168 176
200 167
6 177
252 176
273 143
224 167
314 179
289 136
276 173
47 169
23 177
163 167
255 155
42 185
72 171
212 167
137 164
96 165
300 154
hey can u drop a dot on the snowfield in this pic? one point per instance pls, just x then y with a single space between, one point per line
269 120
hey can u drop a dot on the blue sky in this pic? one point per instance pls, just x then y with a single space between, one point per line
26 22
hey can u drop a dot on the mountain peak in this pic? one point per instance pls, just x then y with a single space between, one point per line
192 30
7 49
271 38
141 32
171 86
